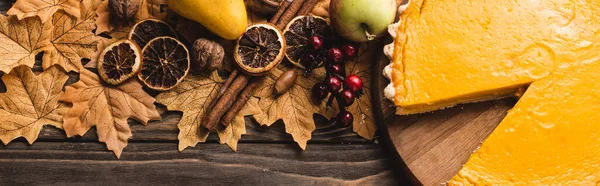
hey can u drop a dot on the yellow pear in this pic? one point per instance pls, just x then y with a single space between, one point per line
226 18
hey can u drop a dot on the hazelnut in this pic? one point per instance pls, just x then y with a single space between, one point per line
207 55
285 82
123 9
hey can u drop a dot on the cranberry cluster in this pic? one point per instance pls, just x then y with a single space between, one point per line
345 89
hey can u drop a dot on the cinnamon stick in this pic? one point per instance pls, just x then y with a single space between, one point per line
224 88
307 7
289 13
211 119
240 103
282 7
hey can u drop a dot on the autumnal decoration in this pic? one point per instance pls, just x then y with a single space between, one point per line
263 7
146 30
166 63
107 108
293 107
192 97
234 131
321 9
30 102
262 85
72 38
308 39
43 9
119 62
123 9
21 41
259 49
207 55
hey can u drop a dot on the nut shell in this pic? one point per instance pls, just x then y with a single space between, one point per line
285 82
207 55
123 9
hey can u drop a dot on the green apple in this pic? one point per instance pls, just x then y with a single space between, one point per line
362 20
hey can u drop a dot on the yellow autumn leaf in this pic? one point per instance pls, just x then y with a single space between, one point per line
30 102
294 107
21 41
72 38
43 8
232 133
108 108
191 97
364 118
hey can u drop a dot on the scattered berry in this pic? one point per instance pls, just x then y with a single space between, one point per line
349 50
334 84
319 91
344 119
316 42
335 69
346 97
353 82
335 55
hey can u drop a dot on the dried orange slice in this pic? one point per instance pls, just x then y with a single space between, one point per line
259 49
166 63
148 29
119 61
297 34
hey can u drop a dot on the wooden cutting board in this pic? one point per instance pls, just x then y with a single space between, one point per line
431 148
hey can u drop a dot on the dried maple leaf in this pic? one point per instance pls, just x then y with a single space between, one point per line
43 8
103 21
364 121
72 38
107 108
191 97
21 41
232 133
30 102
294 107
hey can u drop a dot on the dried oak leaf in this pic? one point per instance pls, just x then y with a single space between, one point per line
148 9
294 107
30 102
232 133
364 121
72 38
43 8
192 97
21 41
107 108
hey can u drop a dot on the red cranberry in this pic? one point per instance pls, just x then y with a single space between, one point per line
353 82
319 92
344 119
335 55
316 42
346 98
334 84
349 50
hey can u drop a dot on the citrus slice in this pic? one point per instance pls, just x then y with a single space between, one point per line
166 63
297 34
148 29
119 61
259 49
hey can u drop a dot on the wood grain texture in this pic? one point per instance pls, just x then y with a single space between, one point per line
160 163
430 148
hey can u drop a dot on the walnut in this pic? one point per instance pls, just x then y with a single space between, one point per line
123 9
263 7
207 55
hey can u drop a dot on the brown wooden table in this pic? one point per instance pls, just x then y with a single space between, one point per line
266 156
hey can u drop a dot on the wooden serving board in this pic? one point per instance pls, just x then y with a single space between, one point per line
431 148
